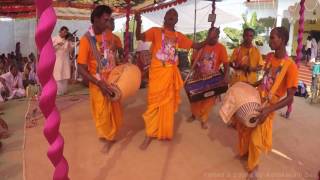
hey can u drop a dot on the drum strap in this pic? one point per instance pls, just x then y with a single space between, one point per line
287 62
194 64
95 51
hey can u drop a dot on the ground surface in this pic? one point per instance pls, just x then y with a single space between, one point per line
193 154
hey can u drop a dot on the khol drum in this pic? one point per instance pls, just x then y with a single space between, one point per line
243 101
125 80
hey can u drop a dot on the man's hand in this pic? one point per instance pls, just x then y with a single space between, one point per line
244 68
264 112
104 88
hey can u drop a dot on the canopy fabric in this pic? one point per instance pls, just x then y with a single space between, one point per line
80 9
186 16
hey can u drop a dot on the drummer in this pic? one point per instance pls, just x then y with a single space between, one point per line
246 60
143 56
165 81
208 61
106 114
282 79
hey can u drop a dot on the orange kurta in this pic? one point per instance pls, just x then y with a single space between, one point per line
246 56
106 114
259 139
212 57
165 83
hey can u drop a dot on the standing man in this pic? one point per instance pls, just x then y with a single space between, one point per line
95 62
246 60
165 81
314 49
308 48
277 90
208 61
62 69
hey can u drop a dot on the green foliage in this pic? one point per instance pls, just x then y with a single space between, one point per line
200 36
132 26
235 35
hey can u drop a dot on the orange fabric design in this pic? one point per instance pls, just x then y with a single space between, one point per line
202 109
257 140
86 56
165 84
246 56
106 114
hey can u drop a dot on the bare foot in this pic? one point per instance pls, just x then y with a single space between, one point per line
3 124
285 115
253 174
34 112
243 157
4 135
146 143
191 118
204 125
107 146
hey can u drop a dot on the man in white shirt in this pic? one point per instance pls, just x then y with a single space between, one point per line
62 68
314 49
11 85
308 48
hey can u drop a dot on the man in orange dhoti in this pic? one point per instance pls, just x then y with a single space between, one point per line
208 60
96 59
246 60
165 81
281 78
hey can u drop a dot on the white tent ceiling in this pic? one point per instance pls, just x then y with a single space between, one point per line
186 16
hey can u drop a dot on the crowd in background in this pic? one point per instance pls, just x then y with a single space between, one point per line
17 72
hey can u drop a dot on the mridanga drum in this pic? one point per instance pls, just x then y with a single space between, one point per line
243 101
125 80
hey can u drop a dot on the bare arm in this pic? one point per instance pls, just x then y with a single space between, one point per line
282 103
83 70
139 35
199 45
226 72
121 53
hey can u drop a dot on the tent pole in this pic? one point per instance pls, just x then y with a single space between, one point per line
127 36
213 12
195 21
300 33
